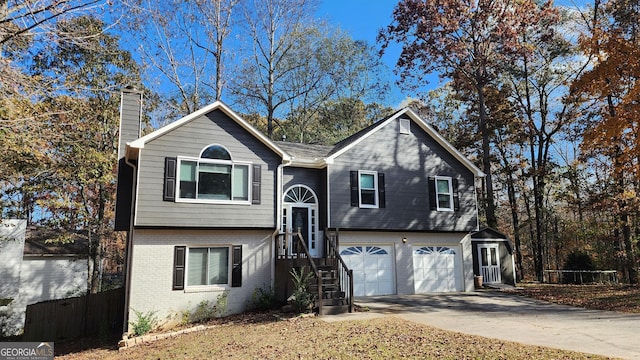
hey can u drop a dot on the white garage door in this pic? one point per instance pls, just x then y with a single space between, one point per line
372 269
436 269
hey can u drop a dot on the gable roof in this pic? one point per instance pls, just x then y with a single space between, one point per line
306 155
218 105
348 143
488 233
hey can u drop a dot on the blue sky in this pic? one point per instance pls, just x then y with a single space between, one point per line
363 19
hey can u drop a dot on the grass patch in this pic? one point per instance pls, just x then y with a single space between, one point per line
623 298
310 338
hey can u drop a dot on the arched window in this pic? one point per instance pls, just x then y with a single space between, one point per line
214 176
217 152
300 194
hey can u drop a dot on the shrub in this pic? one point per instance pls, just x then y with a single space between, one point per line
302 299
578 260
144 322
263 299
204 311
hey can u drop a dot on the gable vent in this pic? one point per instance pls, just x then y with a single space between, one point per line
405 126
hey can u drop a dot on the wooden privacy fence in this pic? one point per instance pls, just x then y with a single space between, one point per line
579 276
85 316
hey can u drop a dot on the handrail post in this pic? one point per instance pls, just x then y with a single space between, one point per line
350 290
319 294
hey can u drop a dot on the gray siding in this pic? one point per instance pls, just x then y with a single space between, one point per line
407 160
189 140
130 113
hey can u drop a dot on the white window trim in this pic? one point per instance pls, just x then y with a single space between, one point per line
206 288
405 126
213 161
450 181
376 203
312 208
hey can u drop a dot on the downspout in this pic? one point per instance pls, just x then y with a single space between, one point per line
276 231
129 247
475 194
328 192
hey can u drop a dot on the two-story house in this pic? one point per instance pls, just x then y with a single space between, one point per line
209 203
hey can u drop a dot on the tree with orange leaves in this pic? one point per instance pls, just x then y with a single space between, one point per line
470 41
614 122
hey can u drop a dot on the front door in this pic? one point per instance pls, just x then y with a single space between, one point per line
489 262
300 222
300 213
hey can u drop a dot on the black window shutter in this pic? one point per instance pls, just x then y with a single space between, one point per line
256 184
354 189
381 193
456 198
179 253
236 270
433 205
169 193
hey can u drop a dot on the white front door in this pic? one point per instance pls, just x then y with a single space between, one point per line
489 263
300 208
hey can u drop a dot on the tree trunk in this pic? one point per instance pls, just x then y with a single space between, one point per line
486 156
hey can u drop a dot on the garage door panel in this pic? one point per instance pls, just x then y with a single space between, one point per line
384 276
385 287
373 269
371 264
356 265
385 264
436 269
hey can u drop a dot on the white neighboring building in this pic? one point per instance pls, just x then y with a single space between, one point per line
12 234
37 271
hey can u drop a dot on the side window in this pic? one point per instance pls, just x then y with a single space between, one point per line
367 189
443 193
207 266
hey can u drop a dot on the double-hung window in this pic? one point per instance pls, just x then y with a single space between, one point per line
368 188
214 177
207 266
444 193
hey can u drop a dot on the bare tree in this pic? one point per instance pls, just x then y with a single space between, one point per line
183 46
20 19
275 29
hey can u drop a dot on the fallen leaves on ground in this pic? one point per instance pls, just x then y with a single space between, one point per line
311 338
623 298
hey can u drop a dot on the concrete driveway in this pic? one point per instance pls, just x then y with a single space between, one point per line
509 317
